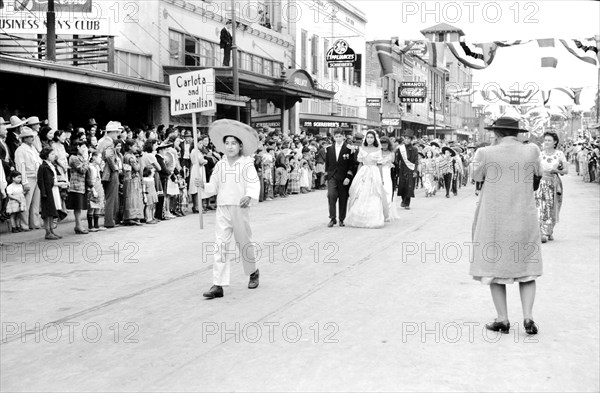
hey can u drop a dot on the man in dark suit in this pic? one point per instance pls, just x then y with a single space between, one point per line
226 41
338 173
407 162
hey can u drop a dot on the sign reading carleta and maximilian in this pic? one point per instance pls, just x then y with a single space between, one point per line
193 92
341 55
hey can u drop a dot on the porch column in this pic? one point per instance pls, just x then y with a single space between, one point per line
53 104
285 116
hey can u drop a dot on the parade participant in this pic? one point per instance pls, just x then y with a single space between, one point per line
506 217
338 174
236 184
77 199
132 186
49 193
457 170
549 195
15 206
387 163
110 174
446 169
367 202
431 172
407 162
27 161
96 201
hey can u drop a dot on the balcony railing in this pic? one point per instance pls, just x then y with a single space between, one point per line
96 51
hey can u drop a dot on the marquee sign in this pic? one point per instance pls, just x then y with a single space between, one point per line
341 55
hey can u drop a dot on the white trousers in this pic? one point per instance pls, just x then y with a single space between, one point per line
232 228
32 205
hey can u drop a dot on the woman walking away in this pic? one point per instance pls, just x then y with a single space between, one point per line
506 235
549 195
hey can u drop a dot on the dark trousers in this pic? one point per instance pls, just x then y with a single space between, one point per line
455 182
111 191
406 201
336 190
226 56
447 182
592 172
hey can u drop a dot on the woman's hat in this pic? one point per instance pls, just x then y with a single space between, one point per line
434 143
422 154
26 132
219 129
458 150
15 122
446 148
506 123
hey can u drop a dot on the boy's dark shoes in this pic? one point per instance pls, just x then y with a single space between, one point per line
253 283
332 223
215 291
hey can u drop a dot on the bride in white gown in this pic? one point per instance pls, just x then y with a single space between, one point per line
367 201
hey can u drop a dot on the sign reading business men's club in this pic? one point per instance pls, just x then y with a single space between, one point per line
193 92
341 55
410 92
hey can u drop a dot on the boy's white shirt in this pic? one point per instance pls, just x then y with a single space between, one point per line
232 183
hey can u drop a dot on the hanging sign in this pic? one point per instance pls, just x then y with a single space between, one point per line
410 92
341 55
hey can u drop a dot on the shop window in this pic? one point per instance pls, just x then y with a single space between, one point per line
133 64
268 67
207 54
257 64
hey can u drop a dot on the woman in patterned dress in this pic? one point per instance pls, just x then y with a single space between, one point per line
133 210
549 195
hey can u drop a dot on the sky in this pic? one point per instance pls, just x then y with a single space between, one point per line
485 21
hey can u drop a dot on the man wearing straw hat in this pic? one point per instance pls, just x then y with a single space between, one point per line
12 139
27 162
235 182
110 175
34 123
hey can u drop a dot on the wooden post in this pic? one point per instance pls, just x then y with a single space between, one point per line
111 56
195 132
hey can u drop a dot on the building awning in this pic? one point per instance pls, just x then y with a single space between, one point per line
417 120
77 74
289 88
344 121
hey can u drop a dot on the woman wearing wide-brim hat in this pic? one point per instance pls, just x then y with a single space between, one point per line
506 235
236 183
450 150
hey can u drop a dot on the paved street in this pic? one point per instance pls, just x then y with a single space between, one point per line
338 309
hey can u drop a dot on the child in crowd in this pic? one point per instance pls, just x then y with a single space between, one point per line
150 195
95 192
236 183
16 202
268 169
294 175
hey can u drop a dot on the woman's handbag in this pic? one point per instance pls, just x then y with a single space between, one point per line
536 182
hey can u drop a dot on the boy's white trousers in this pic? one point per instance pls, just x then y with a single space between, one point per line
232 227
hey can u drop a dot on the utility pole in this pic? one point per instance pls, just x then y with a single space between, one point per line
236 82
434 109
51 32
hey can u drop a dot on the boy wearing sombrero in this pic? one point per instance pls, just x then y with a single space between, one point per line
235 182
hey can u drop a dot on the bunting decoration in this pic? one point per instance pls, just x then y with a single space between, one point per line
477 56
586 49
480 55
574 94
549 59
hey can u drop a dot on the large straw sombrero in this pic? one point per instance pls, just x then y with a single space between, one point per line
15 122
226 127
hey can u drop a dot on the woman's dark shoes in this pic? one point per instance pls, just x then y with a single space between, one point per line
195 211
51 236
81 231
253 283
503 327
550 237
530 326
544 239
215 291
